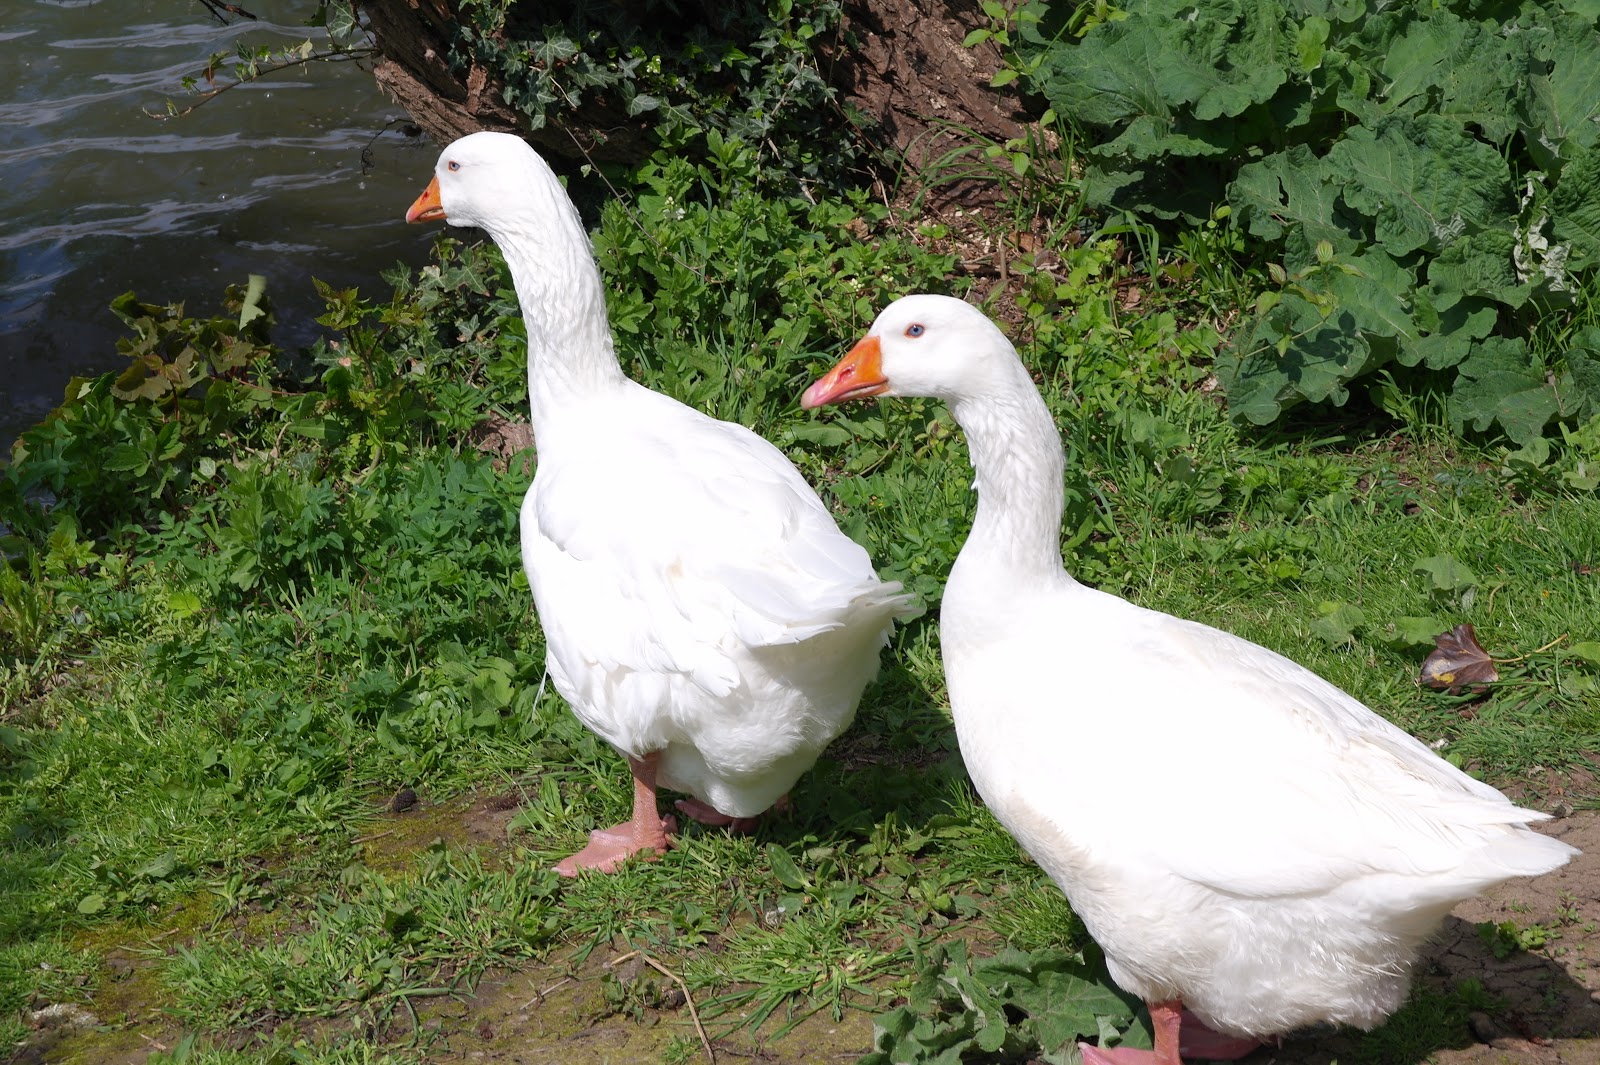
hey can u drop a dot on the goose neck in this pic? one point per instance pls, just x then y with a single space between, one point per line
1017 459
571 355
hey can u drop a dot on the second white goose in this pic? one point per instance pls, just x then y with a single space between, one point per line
1244 840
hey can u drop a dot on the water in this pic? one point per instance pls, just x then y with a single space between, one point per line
97 199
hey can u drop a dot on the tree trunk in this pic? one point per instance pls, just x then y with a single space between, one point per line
900 62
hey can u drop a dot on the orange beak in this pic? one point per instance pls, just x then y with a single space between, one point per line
427 208
858 375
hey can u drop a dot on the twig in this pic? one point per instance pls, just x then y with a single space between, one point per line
1530 654
688 999
539 996
342 55
216 7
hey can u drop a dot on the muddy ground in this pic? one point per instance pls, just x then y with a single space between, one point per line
1541 994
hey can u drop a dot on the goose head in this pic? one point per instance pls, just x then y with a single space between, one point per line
482 180
921 345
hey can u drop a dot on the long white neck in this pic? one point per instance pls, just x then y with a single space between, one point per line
570 352
1016 454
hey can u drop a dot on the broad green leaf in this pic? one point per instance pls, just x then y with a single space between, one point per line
1581 392
1562 104
1373 288
1575 202
1444 64
820 433
1319 355
785 869
124 458
1311 41
1477 264
158 868
1416 631
1588 650
1121 71
90 904
1288 190
1338 622
1423 181
1501 382
1450 335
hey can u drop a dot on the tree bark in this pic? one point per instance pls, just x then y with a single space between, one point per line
899 62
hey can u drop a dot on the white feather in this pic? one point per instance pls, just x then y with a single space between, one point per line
696 597
1233 830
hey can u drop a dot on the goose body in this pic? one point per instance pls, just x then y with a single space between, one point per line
702 611
1243 839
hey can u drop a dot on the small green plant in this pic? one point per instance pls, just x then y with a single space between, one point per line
1010 1006
1507 937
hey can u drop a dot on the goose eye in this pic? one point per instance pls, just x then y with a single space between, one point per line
915 330
454 165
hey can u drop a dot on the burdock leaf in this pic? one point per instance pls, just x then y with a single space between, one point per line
1458 662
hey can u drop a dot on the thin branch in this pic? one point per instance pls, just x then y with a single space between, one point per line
688 999
217 7
340 56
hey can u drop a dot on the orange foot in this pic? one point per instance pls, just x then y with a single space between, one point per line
608 848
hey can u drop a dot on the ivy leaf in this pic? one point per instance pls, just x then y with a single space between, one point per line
1338 622
1413 631
1458 662
1445 573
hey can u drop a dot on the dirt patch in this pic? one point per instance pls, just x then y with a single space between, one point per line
616 1008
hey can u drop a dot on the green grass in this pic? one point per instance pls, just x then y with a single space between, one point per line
214 680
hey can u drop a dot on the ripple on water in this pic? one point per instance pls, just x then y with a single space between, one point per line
102 199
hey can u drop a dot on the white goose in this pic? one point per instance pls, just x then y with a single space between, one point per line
702 612
1241 837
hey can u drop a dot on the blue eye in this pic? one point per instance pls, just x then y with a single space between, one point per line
454 165
915 330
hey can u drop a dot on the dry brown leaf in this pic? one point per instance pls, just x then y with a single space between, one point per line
1458 662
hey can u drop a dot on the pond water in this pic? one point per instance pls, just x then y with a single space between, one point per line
99 199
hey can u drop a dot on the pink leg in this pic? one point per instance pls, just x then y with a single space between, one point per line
646 835
1176 1030
706 814
1164 1019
